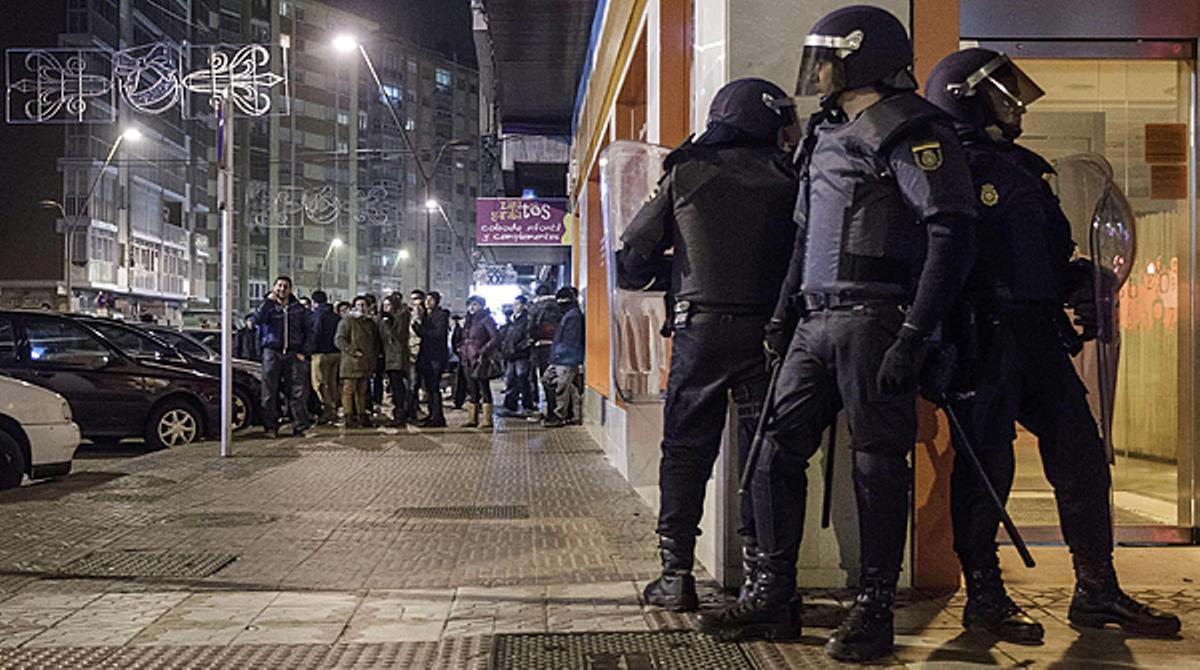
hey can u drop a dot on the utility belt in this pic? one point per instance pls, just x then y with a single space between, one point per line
687 312
820 302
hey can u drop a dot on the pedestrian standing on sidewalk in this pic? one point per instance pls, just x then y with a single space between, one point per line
395 323
459 396
544 315
517 347
358 340
416 303
480 339
566 357
286 342
326 358
245 344
434 329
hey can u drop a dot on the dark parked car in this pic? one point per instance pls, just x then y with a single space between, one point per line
166 346
112 395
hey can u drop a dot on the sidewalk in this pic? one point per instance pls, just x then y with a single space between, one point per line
442 549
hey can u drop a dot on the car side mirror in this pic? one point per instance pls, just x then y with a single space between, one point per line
99 362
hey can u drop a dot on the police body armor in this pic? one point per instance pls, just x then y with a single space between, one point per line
863 240
731 232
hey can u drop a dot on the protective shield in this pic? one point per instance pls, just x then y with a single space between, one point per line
629 172
1009 85
1100 214
808 82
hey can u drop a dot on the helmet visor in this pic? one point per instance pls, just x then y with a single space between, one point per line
816 80
1010 81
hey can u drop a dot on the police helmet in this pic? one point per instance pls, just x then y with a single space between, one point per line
866 46
753 108
981 88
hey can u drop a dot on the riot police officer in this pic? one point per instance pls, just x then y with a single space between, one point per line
1027 374
724 208
885 219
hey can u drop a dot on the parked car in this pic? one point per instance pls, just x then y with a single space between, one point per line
141 341
112 395
37 436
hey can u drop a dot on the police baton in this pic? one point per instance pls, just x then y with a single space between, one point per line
756 443
1009 527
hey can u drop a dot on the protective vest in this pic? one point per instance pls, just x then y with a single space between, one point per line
862 239
731 226
1029 238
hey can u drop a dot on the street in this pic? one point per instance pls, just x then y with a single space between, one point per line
442 549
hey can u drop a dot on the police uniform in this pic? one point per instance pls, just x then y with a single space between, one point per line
726 212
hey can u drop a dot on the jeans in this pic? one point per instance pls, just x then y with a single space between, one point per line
519 393
397 381
479 391
431 381
414 391
540 365
276 367
560 384
326 384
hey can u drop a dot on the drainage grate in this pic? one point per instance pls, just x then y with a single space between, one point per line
483 512
147 563
217 519
675 650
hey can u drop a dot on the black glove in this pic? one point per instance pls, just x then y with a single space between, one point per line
776 338
901 363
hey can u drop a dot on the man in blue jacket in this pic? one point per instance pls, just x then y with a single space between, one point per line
286 340
325 356
566 356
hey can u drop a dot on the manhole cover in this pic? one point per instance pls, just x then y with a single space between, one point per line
147 563
485 512
217 519
668 650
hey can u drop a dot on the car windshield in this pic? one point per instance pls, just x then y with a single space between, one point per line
134 343
185 344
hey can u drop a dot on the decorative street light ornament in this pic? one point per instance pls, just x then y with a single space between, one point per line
60 85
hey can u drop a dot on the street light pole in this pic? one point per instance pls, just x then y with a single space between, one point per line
333 244
69 223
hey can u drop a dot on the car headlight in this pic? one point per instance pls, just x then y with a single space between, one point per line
66 411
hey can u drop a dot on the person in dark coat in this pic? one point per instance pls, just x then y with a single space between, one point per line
433 327
358 340
480 338
544 315
459 397
326 358
566 357
245 345
395 323
285 339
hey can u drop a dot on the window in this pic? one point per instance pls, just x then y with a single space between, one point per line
343 118
8 343
60 342
444 80
392 92
132 343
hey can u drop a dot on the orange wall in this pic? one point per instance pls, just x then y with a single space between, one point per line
934 562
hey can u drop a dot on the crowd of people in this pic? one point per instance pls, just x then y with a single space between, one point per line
334 364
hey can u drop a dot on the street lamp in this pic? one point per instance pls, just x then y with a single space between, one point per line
335 243
131 134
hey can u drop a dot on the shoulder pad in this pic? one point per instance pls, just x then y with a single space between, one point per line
886 121
679 154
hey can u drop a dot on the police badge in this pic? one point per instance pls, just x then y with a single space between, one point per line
928 156
988 195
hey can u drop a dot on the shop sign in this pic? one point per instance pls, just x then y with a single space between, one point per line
522 222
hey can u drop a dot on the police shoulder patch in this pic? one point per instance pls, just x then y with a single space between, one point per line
928 155
988 195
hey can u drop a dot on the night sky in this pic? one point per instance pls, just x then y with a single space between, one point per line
444 25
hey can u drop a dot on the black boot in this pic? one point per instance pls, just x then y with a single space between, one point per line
771 611
989 609
1099 600
675 590
867 632
749 569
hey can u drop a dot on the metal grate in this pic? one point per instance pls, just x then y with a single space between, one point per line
481 512
147 563
218 519
662 650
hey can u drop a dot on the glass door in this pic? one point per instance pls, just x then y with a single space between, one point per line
1138 114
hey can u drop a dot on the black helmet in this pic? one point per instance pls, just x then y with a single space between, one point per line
566 294
867 46
982 88
750 109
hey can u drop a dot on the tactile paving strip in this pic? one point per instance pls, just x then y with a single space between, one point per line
143 563
662 650
480 512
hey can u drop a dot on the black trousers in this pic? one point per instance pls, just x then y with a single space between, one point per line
716 356
1035 384
398 383
832 362
541 362
431 381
